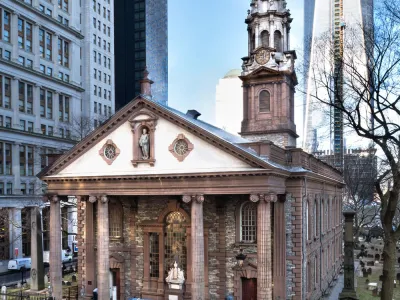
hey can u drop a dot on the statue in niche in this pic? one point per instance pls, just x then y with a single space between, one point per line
144 143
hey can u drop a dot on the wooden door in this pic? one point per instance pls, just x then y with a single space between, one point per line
116 281
249 289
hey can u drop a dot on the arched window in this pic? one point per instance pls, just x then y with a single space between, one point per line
248 222
175 241
278 41
253 42
265 38
115 220
264 101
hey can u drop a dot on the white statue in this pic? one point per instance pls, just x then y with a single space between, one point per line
144 143
175 277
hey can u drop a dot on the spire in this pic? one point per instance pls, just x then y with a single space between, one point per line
145 84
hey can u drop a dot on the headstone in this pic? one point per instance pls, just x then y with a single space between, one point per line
3 292
37 268
73 278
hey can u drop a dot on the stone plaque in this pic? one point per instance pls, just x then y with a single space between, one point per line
175 287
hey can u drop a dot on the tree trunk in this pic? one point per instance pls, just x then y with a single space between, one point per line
389 254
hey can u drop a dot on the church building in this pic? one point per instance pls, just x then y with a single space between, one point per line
171 207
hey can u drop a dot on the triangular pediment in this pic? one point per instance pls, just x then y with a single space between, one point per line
207 151
264 72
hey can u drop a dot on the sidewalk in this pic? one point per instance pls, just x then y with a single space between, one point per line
337 289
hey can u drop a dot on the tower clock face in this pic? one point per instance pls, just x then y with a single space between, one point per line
262 56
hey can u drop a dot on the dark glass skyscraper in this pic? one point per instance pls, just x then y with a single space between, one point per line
141 39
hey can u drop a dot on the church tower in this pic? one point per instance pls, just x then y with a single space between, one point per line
268 75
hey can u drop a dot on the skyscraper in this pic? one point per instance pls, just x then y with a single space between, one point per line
56 62
329 17
140 36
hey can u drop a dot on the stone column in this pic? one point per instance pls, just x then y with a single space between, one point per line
264 244
55 247
257 36
197 246
37 270
348 292
15 232
90 261
103 256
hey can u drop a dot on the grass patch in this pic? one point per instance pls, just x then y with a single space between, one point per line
365 294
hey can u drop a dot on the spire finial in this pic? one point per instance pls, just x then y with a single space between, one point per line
145 84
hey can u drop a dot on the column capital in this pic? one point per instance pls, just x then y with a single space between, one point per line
103 199
267 197
51 198
92 199
197 198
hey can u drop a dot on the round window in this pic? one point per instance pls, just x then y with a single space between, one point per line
109 152
181 147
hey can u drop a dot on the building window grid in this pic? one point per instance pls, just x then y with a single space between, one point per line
63 52
249 222
5 25
154 251
5 92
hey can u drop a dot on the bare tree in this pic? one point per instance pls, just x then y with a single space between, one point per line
368 99
359 174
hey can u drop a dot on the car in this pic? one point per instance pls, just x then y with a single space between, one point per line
19 263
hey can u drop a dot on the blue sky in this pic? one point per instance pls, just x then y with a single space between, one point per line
207 38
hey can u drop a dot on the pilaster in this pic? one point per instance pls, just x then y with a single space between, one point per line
55 247
103 255
15 169
37 270
264 244
197 245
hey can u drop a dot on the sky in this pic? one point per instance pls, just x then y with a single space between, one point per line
206 39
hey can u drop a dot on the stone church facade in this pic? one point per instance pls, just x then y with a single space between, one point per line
156 186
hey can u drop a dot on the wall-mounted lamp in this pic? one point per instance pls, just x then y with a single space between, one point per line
240 258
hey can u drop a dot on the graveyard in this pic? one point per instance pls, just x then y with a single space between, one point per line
368 268
22 290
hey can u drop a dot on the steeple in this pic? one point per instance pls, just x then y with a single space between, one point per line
268 75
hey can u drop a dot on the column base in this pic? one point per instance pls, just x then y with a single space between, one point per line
348 295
